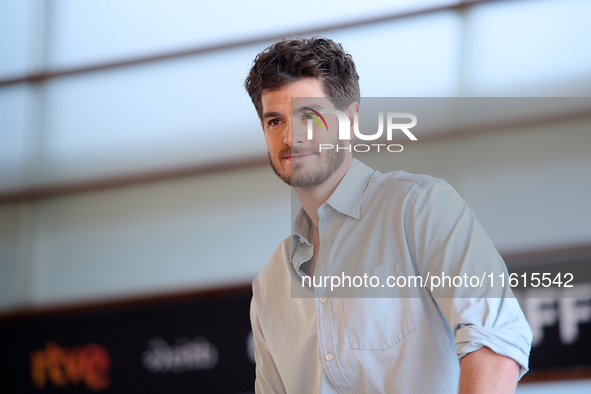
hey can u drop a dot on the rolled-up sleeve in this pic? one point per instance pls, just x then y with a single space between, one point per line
447 241
502 328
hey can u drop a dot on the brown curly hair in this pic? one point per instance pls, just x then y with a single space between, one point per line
291 59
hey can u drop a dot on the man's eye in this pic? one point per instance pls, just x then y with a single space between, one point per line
274 122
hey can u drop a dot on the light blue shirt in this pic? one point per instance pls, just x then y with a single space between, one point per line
323 340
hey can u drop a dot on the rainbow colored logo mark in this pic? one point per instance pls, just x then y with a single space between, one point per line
313 116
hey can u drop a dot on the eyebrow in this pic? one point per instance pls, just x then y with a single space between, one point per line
308 107
272 115
275 114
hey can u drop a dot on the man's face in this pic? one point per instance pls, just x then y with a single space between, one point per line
294 158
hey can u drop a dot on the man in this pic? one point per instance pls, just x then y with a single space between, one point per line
357 220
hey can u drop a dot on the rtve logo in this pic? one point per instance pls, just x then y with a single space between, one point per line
345 130
89 364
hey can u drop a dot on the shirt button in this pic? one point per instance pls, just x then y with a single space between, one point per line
322 299
328 357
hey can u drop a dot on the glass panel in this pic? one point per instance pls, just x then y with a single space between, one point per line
12 135
187 111
13 37
541 49
94 31
9 254
407 58
158 237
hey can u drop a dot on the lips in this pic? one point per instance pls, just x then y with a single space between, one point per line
300 156
287 154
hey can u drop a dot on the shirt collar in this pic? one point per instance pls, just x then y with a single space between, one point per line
346 199
347 196
299 236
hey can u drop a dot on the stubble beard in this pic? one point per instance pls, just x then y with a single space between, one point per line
332 161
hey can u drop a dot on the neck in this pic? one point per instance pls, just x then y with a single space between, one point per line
311 198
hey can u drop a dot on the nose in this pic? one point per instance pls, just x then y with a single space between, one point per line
287 133
295 133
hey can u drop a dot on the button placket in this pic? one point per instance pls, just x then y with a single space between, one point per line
326 340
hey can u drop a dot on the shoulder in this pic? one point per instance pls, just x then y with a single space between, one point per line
401 184
404 179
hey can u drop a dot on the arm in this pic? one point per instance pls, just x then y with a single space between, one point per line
483 371
448 238
267 375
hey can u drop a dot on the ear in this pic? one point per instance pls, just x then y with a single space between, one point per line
351 110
